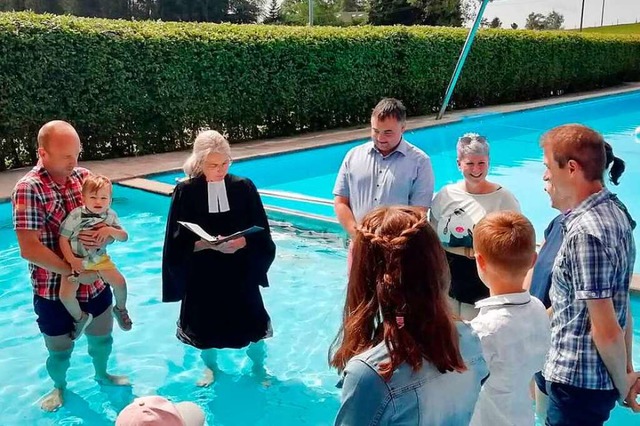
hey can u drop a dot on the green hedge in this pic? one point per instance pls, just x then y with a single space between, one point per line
134 88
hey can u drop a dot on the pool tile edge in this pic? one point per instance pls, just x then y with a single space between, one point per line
148 185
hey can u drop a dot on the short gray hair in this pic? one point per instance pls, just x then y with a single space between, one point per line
207 142
472 144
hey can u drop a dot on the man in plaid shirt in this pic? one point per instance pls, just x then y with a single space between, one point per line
41 200
588 367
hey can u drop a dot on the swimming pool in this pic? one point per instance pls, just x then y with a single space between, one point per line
308 281
516 158
304 300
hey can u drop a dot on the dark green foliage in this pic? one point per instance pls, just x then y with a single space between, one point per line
415 12
236 11
274 14
134 88
352 5
391 12
538 21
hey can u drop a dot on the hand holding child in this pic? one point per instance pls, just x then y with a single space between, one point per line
76 265
102 234
89 237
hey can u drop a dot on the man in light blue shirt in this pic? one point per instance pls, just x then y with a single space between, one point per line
385 171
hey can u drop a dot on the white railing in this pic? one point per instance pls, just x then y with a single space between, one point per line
285 195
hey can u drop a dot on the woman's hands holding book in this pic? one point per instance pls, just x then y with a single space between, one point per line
228 247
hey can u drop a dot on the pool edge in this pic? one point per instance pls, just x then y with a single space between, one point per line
166 189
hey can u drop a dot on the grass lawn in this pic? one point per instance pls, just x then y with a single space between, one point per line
615 29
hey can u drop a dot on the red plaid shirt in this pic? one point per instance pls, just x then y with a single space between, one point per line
40 204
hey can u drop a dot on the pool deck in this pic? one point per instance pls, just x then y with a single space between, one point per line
130 171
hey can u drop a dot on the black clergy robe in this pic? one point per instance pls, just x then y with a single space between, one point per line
220 293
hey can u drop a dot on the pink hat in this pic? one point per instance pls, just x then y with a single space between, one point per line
158 411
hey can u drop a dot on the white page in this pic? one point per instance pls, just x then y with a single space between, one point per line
196 229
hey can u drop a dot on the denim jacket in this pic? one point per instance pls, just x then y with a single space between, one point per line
421 398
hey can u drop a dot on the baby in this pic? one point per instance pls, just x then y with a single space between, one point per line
96 214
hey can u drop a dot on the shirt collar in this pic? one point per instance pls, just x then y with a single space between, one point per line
590 202
402 148
46 178
85 212
510 299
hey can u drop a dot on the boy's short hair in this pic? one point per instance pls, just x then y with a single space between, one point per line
506 240
94 183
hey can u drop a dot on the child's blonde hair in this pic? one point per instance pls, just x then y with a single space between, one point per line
506 240
94 183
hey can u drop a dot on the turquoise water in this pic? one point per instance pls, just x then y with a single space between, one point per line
308 280
304 300
516 158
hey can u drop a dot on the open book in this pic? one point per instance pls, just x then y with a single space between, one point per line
196 229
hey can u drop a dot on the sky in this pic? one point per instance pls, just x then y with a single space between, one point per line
615 11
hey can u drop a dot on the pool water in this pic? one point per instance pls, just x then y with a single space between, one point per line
304 300
516 157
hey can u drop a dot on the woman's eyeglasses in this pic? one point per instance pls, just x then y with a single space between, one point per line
218 166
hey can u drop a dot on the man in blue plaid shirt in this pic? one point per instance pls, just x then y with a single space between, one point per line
588 368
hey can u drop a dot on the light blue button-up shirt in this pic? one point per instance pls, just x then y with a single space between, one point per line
369 179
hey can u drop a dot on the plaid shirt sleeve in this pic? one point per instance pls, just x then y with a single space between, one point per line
592 270
28 209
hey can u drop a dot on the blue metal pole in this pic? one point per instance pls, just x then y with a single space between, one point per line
462 59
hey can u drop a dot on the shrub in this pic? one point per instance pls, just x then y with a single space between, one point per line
134 88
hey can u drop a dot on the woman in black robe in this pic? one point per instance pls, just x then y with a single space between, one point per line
218 285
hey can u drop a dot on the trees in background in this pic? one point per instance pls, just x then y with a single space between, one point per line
553 21
240 11
296 12
292 12
274 13
538 21
416 12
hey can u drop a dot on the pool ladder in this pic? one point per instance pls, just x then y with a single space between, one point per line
294 196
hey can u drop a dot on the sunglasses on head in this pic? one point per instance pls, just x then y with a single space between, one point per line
470 138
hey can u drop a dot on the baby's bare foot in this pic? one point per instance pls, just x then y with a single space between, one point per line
208 377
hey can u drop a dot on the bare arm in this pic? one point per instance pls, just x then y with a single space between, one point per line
32 250
65 248
119 234
609 339
345 215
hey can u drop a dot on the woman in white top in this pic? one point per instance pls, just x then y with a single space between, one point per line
455 211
